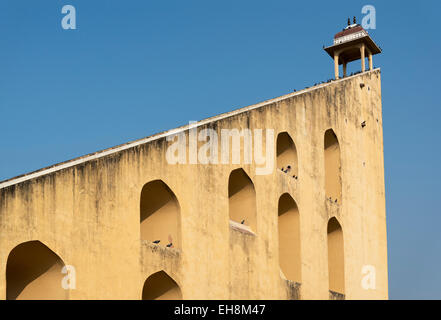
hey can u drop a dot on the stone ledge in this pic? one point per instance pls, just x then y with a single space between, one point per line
241 228
336 295
161 250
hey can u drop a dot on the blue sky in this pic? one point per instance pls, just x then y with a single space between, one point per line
134 68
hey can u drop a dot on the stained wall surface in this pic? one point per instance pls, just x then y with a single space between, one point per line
88 211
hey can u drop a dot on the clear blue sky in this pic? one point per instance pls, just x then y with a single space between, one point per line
134 68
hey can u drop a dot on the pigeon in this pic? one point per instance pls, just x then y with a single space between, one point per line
242 222
170 240
335 200
157 241
363 124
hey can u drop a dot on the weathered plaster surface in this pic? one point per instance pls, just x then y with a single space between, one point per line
88 210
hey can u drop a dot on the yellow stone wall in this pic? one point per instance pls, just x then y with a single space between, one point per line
88 212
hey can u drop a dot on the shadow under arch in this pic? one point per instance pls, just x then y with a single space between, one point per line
332 166
34 272
336 261
287 153
289 238
242 198
160 214
160 286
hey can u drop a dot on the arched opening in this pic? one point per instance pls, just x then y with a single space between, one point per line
336 264
34 272
289 238
287 154
160 215
332 167
242 199
159 286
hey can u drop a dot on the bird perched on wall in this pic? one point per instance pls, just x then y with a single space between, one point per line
170 240
335 201
157 241
242 222
363 124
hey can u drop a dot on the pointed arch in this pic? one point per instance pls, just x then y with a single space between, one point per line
287 153
34 272
160 214
336 263
160 286
332 166
289 238
242 198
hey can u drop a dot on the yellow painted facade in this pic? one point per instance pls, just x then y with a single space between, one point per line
102 212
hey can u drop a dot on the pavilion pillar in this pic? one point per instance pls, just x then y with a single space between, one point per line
344 68
362 49
371 65
336 65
